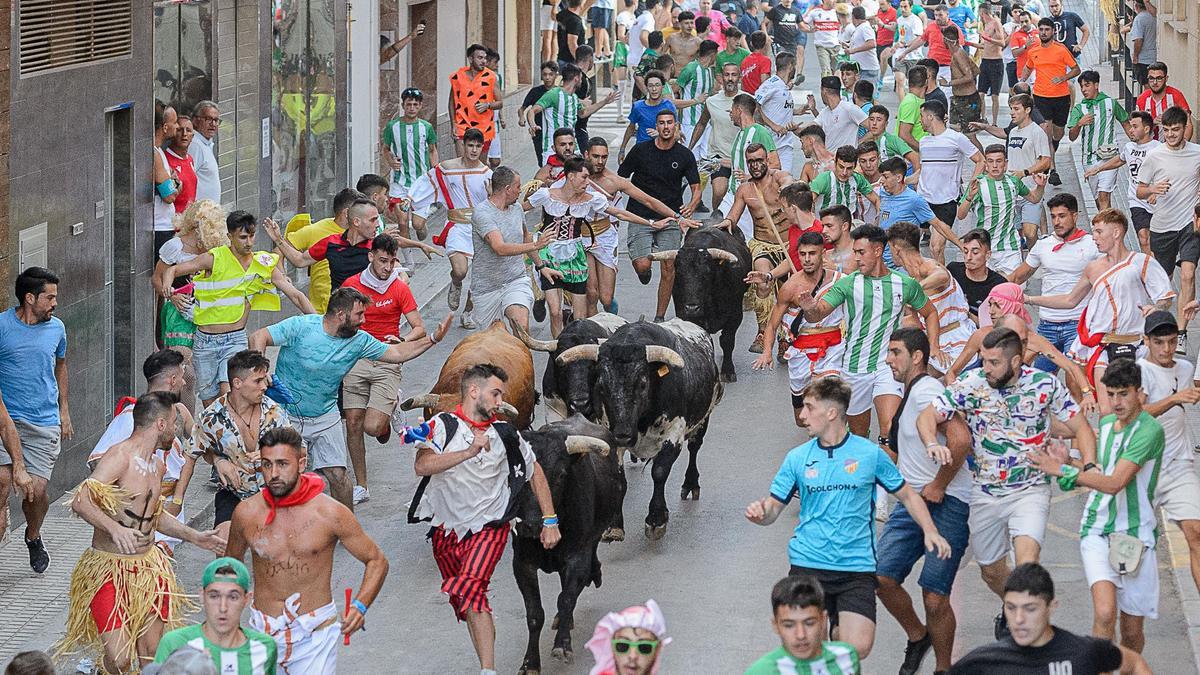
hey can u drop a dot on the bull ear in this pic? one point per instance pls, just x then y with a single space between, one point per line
422 401
578 445
665 355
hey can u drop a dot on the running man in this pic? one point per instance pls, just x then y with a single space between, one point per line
695 80
778 108
716 142
474 94
996 196
293 602
1096 118
1140 129
410 149
561 108
835 475
743 113
1053 67
843 185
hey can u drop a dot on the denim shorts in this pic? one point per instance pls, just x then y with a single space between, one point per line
902 544
600 17
1060 334
210 353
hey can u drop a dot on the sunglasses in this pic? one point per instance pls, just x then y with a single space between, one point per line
644 647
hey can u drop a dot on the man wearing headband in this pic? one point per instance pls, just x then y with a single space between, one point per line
234 650
629 642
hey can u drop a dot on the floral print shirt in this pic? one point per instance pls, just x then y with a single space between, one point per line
218 431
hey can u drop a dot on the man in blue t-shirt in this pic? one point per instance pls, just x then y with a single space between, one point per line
835 475
33 385
900 203
315 354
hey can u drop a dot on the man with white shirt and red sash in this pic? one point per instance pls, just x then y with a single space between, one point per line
460 184
1124 287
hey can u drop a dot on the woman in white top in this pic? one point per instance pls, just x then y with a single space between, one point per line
166 183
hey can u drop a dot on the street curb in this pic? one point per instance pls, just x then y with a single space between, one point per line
1185 587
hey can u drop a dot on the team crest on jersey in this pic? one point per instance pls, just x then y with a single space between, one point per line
811 472
850 466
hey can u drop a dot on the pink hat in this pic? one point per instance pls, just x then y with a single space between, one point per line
1008 297
647 617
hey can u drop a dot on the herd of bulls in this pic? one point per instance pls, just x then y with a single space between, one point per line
642 387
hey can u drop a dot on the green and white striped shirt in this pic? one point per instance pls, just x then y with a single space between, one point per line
874 308
834 192
559 109
1102 131
998 204
409 142
256 656
837 658
1131 510
694 81
755 133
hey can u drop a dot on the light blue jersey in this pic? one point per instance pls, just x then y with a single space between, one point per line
836 487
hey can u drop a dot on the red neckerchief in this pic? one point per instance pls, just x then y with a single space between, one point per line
477 426
124 403
555 161
1074 236
309 486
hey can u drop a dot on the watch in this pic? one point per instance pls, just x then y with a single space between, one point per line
1090 465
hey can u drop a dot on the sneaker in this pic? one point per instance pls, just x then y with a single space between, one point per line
361 494
539 310
86 665
914 654
701 208
612 309
1054 180
756 347
454 296
1181 344
1000 626
467 322
39 558
781 351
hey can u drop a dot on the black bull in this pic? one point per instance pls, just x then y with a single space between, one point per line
710 280
588 489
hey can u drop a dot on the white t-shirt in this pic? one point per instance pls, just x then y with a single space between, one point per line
860 35
916 466
825 26
208 174
1062 269
1007 54
1025 146
775 97
941 160
1134 154
908 29
644 23
626 19
720 142
1159 383
840 124
1173 210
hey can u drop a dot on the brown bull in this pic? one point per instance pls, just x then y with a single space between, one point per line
495 346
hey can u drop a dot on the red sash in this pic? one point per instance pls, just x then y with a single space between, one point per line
440 239
1090 340
820 342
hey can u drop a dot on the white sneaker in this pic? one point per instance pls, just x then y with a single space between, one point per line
454 296
1181 344
361 494
466 321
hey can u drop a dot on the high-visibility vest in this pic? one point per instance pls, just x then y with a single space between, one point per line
221 295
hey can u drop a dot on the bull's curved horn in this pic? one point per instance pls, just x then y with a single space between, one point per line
534 344
579 353
508 410
659 353
578 445
664 255
421 401
721 255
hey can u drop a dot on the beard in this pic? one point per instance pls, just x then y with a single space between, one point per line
282 489
1002 381
347 330
482 411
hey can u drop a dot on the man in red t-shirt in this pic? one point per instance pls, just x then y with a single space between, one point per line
885 34
932 39
1159 96
371 388
757 66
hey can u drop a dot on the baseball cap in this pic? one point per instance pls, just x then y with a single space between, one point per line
241 576
1159 319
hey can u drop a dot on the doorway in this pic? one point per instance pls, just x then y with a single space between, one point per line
119 235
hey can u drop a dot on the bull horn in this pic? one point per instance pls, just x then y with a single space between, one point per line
422 401
579 353
508 410
664 255
721 255
578 445
659 353
531 342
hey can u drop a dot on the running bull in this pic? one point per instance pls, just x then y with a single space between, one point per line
495 346
588 488
570 388
657 387
710 280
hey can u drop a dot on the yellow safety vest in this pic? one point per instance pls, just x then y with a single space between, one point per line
221 295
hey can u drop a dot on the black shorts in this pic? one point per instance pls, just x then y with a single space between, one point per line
1173 248
725 172
947 213
844 591
575 287
1056 109
1013 77
1140 218
224 502
879 50
991 76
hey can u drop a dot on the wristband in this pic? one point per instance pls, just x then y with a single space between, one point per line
357 604
1090 465
1070 474
539 267
550 520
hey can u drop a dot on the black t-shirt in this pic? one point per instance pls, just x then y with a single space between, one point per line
784 25
1066 28
936 94
1064 653
662 174
976 291
584 91
531 98
569 23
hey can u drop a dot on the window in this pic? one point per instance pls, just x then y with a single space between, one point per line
183 44
56 34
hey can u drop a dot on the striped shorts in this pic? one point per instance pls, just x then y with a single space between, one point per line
467 566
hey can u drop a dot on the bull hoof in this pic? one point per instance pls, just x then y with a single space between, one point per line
613 534
562 654
690 493
525 670
655 532
729 377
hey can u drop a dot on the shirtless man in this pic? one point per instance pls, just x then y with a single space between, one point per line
759 193
818 158
965 102
991 66
683 44
836 224
602 244
123 590
815 349
1125 286
947 297
292 574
